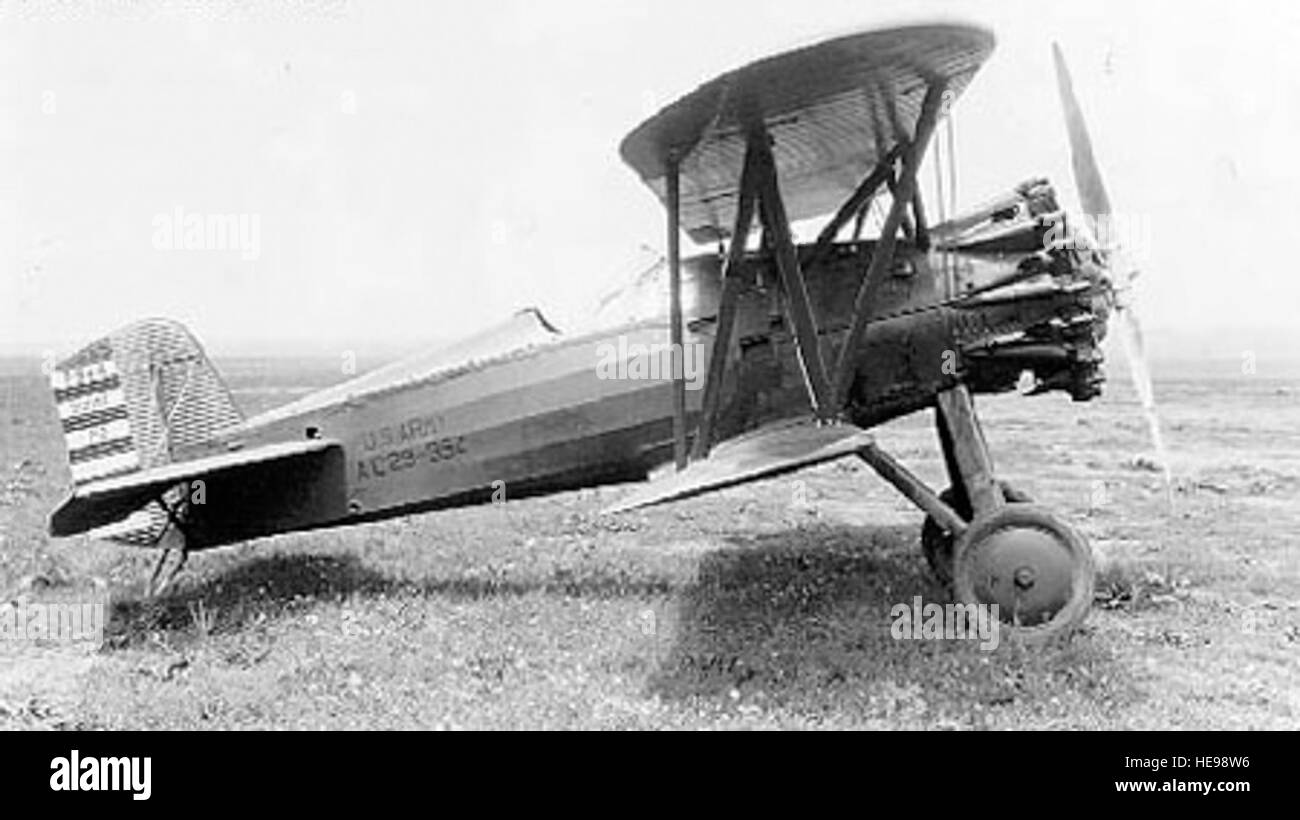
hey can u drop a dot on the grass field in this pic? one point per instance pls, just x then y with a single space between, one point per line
762 606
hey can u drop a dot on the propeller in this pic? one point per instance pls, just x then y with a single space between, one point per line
1119 267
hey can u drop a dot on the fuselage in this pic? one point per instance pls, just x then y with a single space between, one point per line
522 409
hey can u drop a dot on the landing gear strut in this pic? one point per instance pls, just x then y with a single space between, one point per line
938 542
1037 569
986 542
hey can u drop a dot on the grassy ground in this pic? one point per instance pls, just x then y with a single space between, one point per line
763 606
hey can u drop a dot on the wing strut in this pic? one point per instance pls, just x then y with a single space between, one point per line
675 309
909 230
759 188
853 206
922 227
883 258
731 283
776 227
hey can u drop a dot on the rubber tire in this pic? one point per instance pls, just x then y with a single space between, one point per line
938 544
1084 570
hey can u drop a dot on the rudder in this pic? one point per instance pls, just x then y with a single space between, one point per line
143 396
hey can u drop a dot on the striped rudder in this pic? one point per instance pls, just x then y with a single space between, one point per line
141 397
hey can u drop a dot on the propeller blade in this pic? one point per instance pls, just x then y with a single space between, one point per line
1087 176
1136 354
1120 270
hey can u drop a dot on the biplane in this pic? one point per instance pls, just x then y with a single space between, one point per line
806 346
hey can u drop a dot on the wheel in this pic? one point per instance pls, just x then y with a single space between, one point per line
937 543
1033 566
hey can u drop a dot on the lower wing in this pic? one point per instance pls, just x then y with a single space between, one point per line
768 451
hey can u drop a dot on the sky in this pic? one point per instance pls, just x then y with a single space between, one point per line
416 171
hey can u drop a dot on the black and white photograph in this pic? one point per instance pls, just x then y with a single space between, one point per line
575 365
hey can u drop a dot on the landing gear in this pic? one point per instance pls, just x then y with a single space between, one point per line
1034 567
937 541
1037 569
986 542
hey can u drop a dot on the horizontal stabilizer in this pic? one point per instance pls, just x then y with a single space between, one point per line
766 452
102 502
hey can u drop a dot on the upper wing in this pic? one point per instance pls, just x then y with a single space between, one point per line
772 450
833 110
102 502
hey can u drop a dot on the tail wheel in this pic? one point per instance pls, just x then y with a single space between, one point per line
937 543
1034 567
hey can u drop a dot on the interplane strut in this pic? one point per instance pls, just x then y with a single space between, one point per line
760 190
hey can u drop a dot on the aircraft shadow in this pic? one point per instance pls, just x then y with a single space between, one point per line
801 620
798 619
806 607
277 585
263 585
773 583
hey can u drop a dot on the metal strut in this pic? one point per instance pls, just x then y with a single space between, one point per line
854 206
675 310
760 187
155 588
883 257
966 452
912 488
731 283
776 226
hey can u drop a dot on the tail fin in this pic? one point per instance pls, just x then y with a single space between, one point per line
143 396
